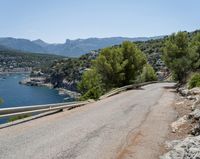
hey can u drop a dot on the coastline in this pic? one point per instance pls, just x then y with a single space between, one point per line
24 72
72 94
40 82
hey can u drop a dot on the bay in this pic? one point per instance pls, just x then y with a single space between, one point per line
15 94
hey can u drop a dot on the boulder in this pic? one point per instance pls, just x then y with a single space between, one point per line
196 130
175 125
191 97
195 114
172 144
196 104
183 91
194 91
189 148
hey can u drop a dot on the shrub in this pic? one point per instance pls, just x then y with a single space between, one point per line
148 74
91 86
14 118
194 80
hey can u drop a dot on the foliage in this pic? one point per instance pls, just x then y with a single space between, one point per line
110 64
68 69
153 49
177 55
182 54
114 67
194 81
120 66
91 85
18 59
18 117
134 61
148 74
195 50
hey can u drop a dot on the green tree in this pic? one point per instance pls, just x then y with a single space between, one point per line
148 74
91 86
134 61
177 55
120 66
110 64
195 52
114 67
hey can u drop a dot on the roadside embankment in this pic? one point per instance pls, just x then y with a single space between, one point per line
184 141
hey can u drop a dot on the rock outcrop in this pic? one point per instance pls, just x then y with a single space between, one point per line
175 125
189 148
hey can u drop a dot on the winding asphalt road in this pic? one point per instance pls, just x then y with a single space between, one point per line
132 124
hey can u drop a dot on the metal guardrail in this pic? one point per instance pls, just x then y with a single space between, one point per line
5 112
128 87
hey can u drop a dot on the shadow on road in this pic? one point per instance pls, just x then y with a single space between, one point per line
172 88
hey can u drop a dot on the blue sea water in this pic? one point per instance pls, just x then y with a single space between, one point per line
15 94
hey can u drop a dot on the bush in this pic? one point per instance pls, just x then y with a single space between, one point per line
194 80
14 118
148 74
91 86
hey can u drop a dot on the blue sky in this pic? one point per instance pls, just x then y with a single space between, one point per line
57 20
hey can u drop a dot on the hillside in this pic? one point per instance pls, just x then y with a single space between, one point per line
70 70
71 48
13 60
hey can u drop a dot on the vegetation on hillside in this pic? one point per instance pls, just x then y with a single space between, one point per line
153 49
194 81
182 55
18 117
115 67
68 72
91 85
148 74
10 59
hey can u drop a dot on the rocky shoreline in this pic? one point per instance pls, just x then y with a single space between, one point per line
10 72
41 82
186 129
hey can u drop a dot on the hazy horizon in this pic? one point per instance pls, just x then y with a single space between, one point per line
84 38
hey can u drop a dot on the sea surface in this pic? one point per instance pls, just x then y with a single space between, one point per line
15 94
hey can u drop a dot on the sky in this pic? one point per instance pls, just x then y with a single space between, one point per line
54 21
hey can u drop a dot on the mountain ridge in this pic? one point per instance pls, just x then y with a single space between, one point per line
71 48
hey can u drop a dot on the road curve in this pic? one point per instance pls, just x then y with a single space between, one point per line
132 124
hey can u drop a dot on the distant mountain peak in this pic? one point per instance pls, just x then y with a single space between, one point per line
72 48
40 42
